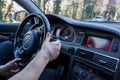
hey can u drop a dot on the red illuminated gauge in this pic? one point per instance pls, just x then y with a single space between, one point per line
67 34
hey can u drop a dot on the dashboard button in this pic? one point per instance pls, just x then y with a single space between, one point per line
83 75
71 50
115 46
80 37
93 78
76 72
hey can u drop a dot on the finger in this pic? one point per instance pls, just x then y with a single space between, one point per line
57 42
16 60
16 65
48 36
15 71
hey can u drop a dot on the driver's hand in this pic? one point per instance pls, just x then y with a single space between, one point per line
10 68
51 49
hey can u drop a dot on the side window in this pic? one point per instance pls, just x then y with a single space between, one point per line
20 15
7 10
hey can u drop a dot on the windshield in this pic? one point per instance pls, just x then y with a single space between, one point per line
83 10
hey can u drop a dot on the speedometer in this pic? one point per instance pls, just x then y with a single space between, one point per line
67 34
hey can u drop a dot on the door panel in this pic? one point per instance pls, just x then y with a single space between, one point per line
8 30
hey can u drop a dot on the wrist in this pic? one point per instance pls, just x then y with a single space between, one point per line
44 55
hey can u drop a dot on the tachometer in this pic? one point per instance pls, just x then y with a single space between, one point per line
67 34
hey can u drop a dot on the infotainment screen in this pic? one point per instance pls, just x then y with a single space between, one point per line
96 42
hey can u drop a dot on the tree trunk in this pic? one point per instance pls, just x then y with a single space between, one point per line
43 3
8 13
1 12
75 7
56 6
39 3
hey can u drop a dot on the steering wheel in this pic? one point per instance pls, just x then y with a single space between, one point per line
31 41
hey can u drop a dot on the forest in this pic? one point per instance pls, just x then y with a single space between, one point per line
76 9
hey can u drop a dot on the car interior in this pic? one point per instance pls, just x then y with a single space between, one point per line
89 51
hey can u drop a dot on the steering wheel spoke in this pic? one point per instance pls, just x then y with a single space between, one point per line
18 52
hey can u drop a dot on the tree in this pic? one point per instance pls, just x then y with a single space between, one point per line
43 3
88 10
8 14
39 3
75 7
1 10
111 10
56 6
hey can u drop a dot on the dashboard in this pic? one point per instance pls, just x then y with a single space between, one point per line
67 34
93 49
97 41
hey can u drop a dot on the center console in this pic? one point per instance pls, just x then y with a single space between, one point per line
96 58
83 72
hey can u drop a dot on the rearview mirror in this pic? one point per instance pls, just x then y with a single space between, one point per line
19 16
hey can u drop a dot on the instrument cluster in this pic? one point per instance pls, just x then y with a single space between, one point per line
66 33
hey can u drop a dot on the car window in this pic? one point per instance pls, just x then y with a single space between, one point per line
7 10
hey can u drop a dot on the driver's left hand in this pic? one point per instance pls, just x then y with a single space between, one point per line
10 68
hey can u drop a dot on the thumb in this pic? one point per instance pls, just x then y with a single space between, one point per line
48 36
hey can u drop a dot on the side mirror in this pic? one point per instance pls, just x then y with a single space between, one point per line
19 16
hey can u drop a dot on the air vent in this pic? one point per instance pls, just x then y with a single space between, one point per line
84 54
105 61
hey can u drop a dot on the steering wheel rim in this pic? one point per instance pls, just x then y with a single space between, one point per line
34 33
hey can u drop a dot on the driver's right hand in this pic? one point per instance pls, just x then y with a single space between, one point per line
51 49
